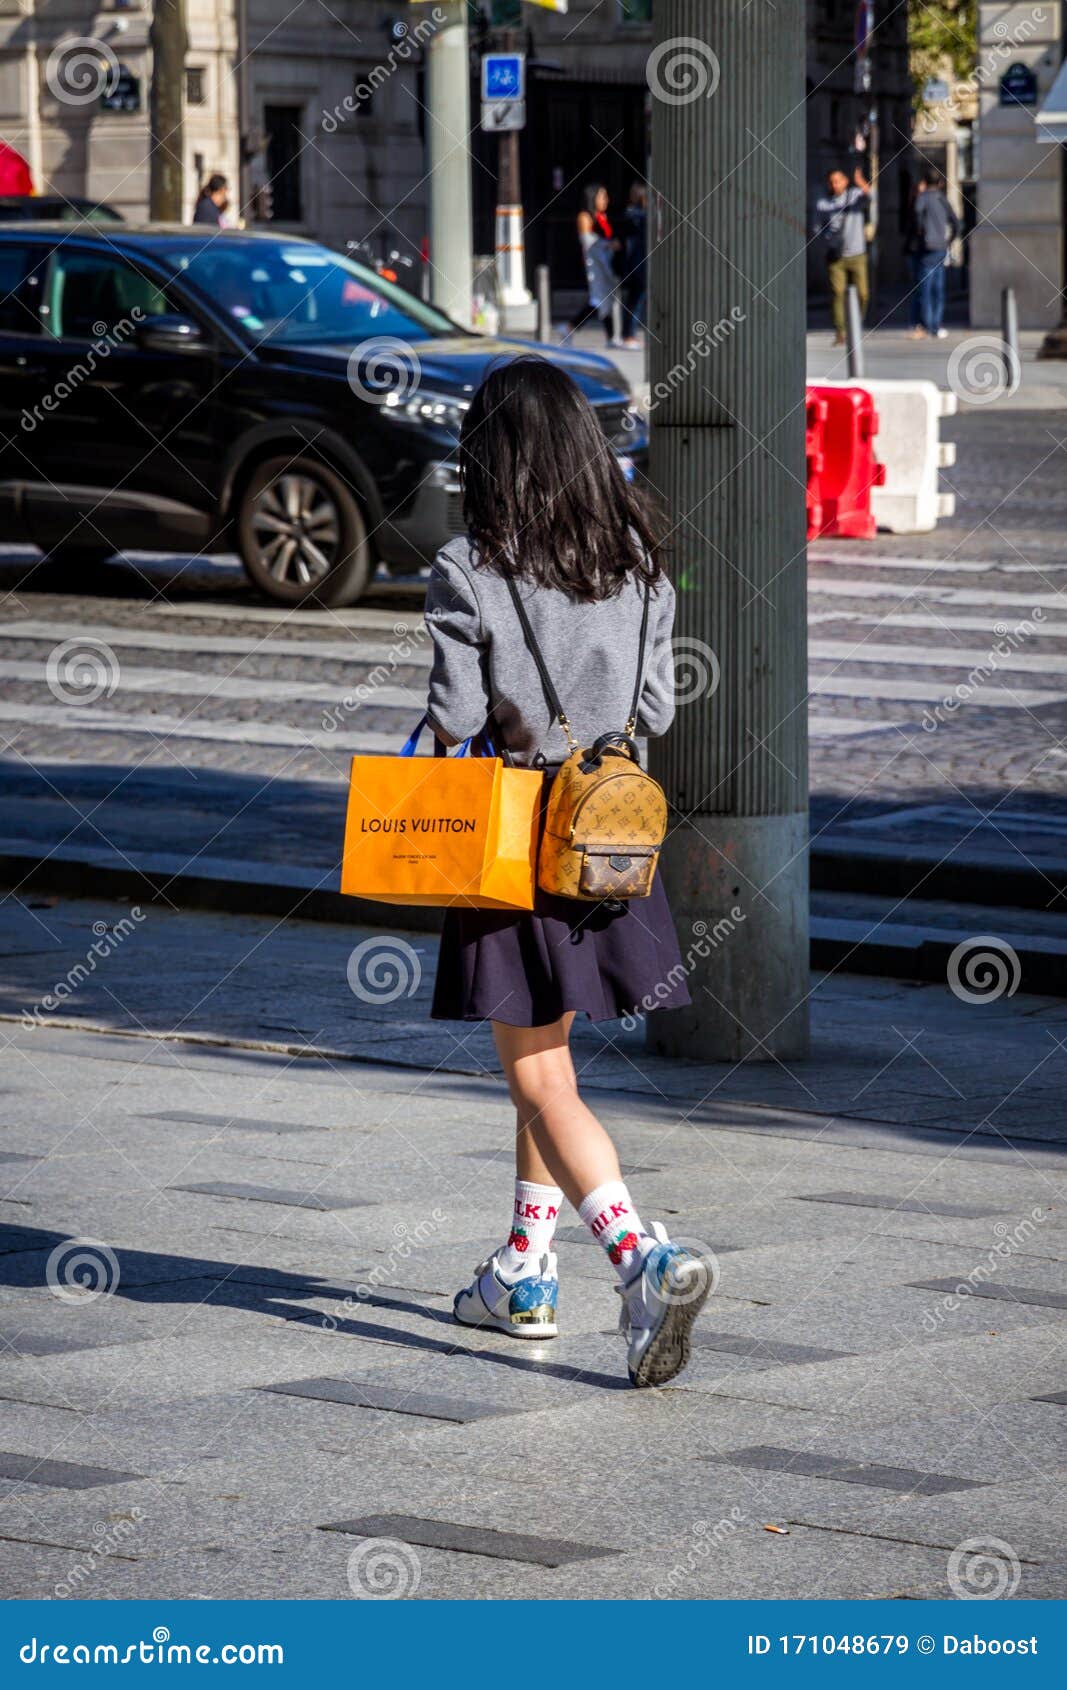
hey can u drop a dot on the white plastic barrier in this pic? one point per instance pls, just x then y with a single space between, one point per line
909 443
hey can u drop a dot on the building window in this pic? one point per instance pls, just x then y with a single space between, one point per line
635 11
195 91
284 147
363 92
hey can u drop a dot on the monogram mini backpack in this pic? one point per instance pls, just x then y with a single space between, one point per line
606 817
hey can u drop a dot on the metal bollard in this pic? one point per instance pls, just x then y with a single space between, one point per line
1009 334
544 303
616 318
853 332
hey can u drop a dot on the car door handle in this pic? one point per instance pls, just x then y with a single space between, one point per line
23 366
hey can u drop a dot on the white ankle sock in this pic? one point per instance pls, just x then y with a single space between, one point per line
609 1214
533 1224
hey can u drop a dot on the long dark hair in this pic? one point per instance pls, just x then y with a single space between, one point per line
544 497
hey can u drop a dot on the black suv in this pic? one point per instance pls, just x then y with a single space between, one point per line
190 389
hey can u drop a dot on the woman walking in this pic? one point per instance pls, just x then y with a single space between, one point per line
599 245
550 515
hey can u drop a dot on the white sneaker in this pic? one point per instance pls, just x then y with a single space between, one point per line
659 1306
942 334
524 1308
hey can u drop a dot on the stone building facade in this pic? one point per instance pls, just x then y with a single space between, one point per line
336 97
1018 239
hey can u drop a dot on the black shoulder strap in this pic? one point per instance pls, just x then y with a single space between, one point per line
542 668
535 651
632 721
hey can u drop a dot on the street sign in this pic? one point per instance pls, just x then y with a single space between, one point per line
503 76
1018 86
123 91
503 114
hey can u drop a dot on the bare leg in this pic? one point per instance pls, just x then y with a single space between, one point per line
559 1140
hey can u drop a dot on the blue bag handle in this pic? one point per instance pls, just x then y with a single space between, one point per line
441 750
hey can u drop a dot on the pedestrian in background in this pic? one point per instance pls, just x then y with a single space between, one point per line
841 224
599 245
934 227
634 263
550 514
213 202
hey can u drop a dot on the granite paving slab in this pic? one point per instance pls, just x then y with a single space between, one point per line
996 1291
401 1400
470 1540
268 1194
58 1475
843 1471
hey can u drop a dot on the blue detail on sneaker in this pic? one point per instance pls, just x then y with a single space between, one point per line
659 1305
524 1308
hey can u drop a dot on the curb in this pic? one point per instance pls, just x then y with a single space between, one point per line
846 865
896 950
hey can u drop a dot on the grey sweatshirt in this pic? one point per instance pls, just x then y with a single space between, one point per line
481 662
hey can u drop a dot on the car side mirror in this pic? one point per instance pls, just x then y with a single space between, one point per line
170 333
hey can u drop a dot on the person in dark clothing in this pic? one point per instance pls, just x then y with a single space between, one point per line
634 263
213 201
600 247
934 227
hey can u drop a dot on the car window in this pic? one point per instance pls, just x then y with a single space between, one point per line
21 273
95 294
295 291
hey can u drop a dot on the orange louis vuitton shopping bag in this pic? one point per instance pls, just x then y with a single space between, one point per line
441 830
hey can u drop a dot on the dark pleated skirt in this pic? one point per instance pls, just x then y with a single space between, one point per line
529 968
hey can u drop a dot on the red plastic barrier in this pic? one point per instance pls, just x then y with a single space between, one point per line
849 468
814 422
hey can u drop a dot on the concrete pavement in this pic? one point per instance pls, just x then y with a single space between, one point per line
243 1380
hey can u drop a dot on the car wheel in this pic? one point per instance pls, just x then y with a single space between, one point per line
302 536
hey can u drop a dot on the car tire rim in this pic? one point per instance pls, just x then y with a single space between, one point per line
297 530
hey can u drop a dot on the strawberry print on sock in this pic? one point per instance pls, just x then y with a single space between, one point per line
621 1246
518 1240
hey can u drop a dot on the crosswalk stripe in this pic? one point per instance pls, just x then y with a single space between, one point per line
932 566
927 692
935 595
942 624
841 727
94 719
68 718
406 651
934 657
185 683
357 617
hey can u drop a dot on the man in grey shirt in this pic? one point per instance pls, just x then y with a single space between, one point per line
841 224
